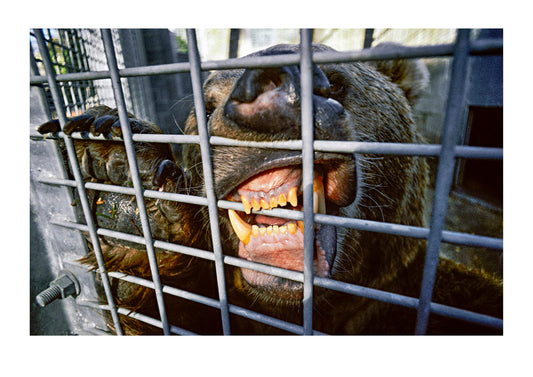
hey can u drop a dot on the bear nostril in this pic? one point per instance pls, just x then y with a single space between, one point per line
255 82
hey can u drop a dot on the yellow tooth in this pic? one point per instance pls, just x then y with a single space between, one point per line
255 205
319 199
242 229
293 196
292 228
283 229
262 230
269 230
273 202
255 230
275 228
282 200
300 225
246 204
264 204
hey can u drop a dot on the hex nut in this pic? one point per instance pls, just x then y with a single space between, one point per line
66 285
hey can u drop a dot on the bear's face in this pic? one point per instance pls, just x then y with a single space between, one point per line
352 102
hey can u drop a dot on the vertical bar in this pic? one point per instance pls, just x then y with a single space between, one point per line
201 119
58 102
306 65
134 169
454 111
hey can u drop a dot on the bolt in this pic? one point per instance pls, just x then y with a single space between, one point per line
64 286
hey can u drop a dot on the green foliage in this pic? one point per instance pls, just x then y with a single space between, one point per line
182 44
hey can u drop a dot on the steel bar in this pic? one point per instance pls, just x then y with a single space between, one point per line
478 47
306 82
58 102
201 119
134 171
152 321
466 315
445 172
428 150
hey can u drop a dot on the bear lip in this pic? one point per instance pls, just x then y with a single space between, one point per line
339 171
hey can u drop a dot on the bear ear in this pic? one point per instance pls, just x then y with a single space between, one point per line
411 75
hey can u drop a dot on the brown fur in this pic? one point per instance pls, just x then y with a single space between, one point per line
377 101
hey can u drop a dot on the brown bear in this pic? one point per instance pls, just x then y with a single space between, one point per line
369 102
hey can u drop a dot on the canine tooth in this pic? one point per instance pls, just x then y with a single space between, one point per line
293 196
273 202
255 230
255 205
242 229
319 200
246 204
269 230
264 204
300 225
292 228
282 200
283 229
275 228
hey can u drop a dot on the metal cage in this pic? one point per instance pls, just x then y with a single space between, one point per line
447 152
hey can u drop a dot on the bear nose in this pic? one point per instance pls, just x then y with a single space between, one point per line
267 100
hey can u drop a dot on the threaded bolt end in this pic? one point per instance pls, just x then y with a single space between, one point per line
48 295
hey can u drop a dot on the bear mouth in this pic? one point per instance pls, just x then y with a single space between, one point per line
278 241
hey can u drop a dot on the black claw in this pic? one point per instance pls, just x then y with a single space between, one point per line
167 170
115 129
50 126
81 123
103 124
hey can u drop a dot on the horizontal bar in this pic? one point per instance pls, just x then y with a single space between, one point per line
429 150
154 322
409 231
371 293
167 289
466 315
138 239
132 314
477 48
182 198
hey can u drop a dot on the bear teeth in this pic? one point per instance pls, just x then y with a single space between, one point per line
244 231
258 204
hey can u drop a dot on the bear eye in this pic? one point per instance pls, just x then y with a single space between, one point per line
336 84
336 89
